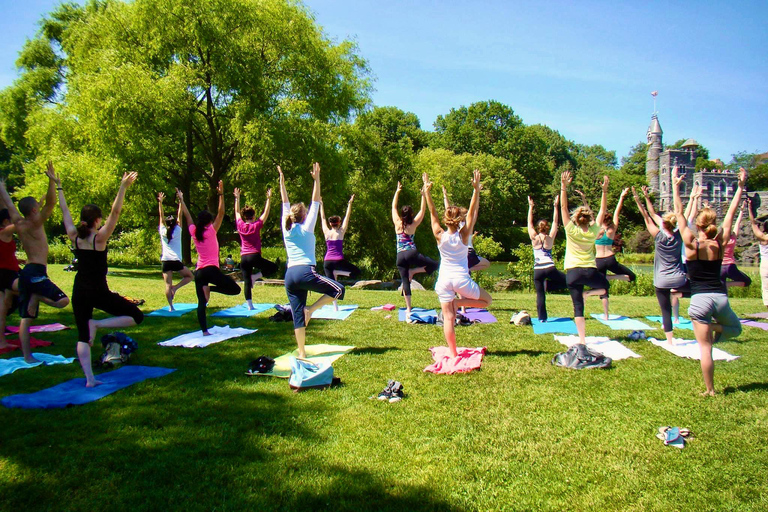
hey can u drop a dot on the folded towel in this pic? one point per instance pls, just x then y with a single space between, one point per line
39 328
16 344
607 347
467 359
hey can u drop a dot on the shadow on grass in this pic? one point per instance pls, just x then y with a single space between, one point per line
523 352
137 274
745 388
373 350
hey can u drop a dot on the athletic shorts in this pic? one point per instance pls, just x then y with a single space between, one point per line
472 257
33 279
7 277
448 287
172 266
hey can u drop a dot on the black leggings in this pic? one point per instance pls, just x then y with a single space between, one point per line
406 260
546 280
579 277
733 273
342 266
610 263
664 296
86 299
207 276
249 262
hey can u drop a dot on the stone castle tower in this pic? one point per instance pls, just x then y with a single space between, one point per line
652 157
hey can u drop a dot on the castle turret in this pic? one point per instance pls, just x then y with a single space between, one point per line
654 151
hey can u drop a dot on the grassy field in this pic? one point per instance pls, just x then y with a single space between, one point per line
520 434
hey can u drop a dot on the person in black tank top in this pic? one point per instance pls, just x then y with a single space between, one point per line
711 314
90 290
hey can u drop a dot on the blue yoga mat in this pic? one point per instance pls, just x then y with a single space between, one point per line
8 366
553 325
242 310
622 323
179 309
74 392
684 322
423 313
328 312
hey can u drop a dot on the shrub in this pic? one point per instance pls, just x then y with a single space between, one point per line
487 247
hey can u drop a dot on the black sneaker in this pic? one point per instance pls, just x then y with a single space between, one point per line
386 393
396 392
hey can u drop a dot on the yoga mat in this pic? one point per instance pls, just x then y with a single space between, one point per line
318 354
8 366
762 314
179 310
622 323
16 344
328 312
480 315
196 339
423 312
683 324
74 392
466 360
689 349
242 310
607 347
552 325
39 328
752 323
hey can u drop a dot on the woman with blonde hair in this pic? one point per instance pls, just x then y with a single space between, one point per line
711 314
546 277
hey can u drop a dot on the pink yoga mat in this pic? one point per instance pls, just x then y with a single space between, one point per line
16 344
468 359
39 328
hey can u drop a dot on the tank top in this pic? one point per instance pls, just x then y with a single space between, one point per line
335 250
667 262
730 247
91 266
764 251
704 275
8 259
604 240
405 242
542 258
453 255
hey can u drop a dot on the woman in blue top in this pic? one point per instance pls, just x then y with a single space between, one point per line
298 227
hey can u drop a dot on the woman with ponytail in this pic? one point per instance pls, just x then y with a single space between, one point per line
453 243
298 227
711 314
249 228
581 230
170 238
546 277
208 275
409 261
334 229
730 273
90 290
605 257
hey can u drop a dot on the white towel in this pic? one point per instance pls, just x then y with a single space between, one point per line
196 339
690 350
607 347
17 363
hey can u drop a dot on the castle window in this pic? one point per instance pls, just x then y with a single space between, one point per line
722 188
683 188
664 187
711 190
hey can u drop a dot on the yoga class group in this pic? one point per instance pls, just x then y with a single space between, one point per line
693 258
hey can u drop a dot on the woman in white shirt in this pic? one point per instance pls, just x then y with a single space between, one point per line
170 238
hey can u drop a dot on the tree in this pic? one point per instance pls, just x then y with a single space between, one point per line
483 127
634 162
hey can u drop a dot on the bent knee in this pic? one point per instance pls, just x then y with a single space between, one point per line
61 303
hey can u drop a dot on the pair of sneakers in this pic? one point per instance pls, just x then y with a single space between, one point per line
392 393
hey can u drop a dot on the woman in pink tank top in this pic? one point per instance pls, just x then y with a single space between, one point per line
9 271
729 270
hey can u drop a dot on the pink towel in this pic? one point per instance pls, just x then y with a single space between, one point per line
39 328
16 344
468 359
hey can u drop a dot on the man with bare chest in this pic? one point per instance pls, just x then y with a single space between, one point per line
34 285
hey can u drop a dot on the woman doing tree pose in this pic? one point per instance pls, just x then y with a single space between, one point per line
546 277
581 231
709 296
334 229
9 271
249 228
409 261
453 277
762 237
90 290
298 227
606 259
170 238
207 272
729 270
476 263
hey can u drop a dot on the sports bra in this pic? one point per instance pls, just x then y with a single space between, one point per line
91 265
704 275
604 240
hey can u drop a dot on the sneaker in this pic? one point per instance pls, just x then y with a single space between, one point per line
396 392
386 393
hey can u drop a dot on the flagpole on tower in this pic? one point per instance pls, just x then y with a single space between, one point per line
654 94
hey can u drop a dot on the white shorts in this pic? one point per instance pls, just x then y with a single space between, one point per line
448 287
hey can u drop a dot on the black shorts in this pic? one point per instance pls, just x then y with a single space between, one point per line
7 277
33 279
172 266
472 257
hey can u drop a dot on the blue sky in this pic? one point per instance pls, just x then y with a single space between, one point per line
584 68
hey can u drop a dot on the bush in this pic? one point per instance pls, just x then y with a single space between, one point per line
487 247
639 242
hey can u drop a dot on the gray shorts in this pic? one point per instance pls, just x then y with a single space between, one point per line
706 307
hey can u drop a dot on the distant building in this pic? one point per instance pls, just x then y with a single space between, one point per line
719 187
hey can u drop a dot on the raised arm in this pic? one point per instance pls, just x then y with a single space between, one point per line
618 207
728 220
220 212
737 226
345 222
583 198
682 222
531 228
603 202
267 206
395 200
694 204
650 225
426 195
763 237
324 223
422 211
446 204
160 197
69 225
50 196
316 187
555 220
309 223
565 180
474 204
649 205
236 193
283 191
14 213
183 208
117 205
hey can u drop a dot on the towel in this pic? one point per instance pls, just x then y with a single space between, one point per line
74 392
552 325
752 323
178 310
607 347
683 324
241 310
423 313
622 323
16 344
321 355
39 328
690 349
196 339
468 359
8 366
480 315
328 312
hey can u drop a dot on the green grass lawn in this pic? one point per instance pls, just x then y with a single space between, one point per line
520 434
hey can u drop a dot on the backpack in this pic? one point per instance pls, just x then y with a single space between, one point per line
306 375
117 349
580 357
284 314
263 364
521 318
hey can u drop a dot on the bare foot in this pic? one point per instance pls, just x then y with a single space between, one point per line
707 393
4 344
303 356
93 383
206 333
31 359
606 317
676 321
92 331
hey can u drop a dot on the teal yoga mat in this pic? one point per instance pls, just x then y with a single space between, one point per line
242 310
179 310
554 325
684 322
328 312
622 323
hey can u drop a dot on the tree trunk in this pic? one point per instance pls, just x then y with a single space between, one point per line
185 187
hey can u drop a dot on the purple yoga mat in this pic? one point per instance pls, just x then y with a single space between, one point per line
481 315
757 315
752 323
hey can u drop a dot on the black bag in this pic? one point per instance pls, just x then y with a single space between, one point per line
283 314
263 364
118 347
580 357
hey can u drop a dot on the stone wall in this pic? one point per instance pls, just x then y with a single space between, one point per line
746 243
